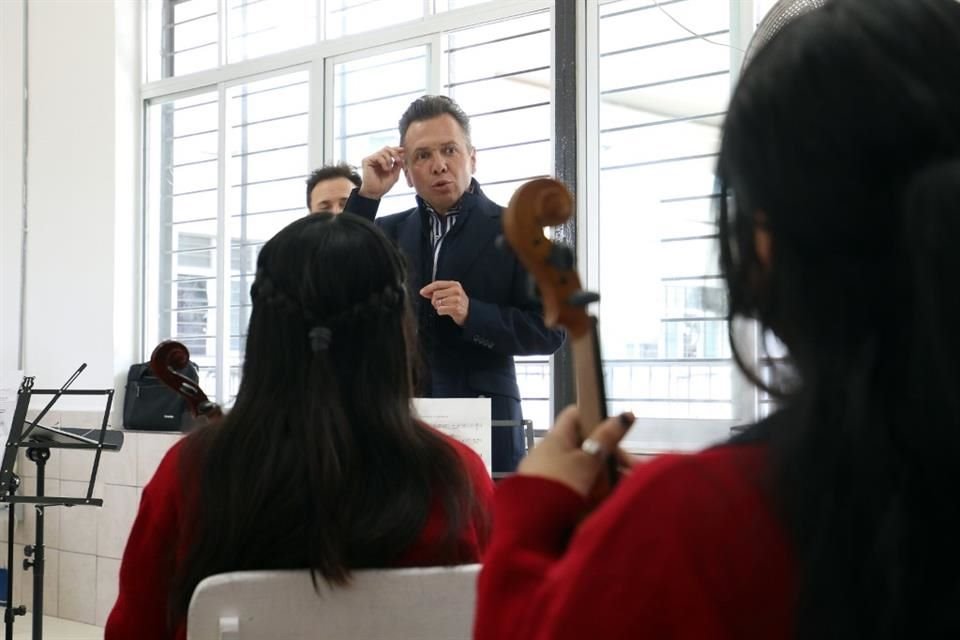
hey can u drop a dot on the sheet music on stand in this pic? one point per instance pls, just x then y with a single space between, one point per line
463 419
38 440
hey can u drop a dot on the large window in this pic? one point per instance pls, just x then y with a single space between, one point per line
187 36
245 97
500 74
369 94
181 187
226 162
228 170
663 74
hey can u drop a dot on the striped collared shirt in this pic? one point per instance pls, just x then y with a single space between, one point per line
440 225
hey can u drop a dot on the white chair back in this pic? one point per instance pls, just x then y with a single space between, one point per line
417 603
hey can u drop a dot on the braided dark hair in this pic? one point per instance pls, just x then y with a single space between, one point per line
307 470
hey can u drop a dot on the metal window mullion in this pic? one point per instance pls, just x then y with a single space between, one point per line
145 320
241 242
329 69
223 245
317 125
438 64
589 201
165 242
321 21
167 36
222 33
567 93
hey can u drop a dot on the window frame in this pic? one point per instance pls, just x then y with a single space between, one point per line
643 438
317 60
581 172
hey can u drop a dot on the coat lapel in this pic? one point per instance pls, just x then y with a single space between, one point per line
473 235
410 239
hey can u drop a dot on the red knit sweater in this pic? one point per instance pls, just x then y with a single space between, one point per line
686 547
156 544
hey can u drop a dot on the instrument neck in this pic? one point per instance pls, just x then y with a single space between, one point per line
591 398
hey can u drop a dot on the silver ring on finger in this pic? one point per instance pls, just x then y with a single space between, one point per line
592 447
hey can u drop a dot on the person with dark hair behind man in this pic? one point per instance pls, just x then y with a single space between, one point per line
471 298
836 517
320 464
329 187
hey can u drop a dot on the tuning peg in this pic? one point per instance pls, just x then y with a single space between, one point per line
500 242
583 298
561 257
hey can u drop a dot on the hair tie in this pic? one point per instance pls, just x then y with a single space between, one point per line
319 338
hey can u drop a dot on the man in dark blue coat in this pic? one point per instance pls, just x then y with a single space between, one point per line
473 310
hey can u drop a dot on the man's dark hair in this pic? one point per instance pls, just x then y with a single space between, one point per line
428 107
329 172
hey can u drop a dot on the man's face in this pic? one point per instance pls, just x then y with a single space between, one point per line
438 161
330 195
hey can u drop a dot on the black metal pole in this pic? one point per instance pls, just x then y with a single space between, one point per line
40 457
565 109
8 613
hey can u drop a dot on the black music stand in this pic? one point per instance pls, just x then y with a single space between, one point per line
38 440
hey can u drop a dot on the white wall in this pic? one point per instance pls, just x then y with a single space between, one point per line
11 178
82 185
81 271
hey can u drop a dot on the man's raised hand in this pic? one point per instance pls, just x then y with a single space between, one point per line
381 170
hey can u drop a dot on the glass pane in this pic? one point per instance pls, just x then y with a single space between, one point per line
500 74
663 92
181 200
448 5
267 164
370 94
194 320
191 42
344 17
260 27
181 37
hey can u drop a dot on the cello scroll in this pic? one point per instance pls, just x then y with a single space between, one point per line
542 203
167 358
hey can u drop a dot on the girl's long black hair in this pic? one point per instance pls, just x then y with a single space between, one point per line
320 463
843 143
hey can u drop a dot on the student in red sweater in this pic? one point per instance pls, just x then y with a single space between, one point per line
837 517
320 464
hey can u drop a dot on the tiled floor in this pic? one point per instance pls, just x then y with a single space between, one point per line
56 629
